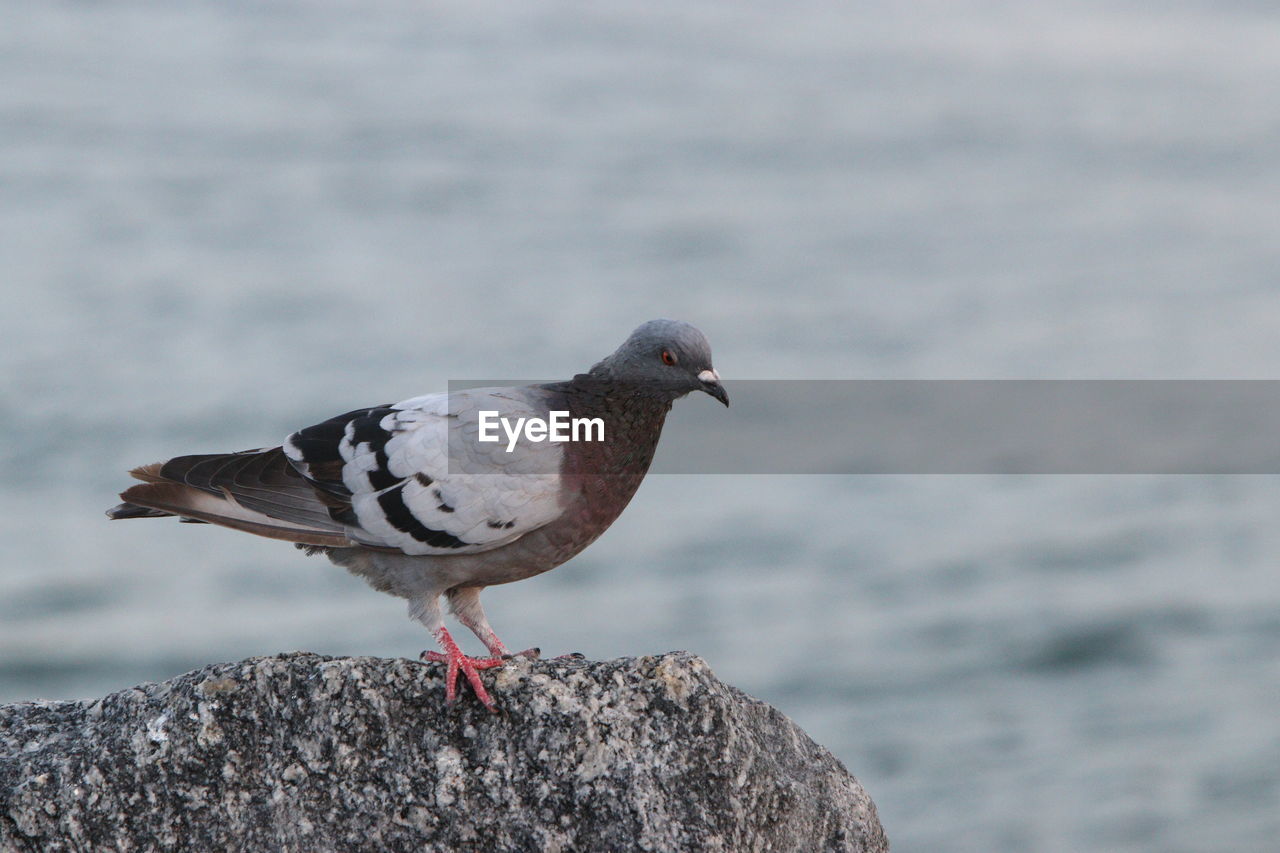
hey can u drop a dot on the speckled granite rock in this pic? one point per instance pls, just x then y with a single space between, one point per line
301 752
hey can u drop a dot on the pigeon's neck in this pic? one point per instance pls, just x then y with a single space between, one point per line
610 395
632 414
598 478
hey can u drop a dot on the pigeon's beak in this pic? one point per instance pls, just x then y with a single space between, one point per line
711 384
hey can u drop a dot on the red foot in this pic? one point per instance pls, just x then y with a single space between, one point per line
460 663
499 649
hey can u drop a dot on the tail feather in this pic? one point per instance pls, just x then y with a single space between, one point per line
148 500
128 510
148 473
257 491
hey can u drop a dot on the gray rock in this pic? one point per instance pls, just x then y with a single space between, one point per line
302 752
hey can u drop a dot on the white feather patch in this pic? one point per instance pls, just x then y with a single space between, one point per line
450 483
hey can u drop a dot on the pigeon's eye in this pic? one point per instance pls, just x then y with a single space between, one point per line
668 358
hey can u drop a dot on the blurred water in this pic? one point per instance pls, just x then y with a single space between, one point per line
222 221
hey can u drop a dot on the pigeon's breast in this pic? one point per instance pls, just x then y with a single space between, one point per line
600 478
597 481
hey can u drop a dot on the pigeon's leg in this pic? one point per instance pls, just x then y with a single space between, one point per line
464 602
428 613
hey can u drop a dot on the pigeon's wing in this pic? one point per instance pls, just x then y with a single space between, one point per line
258 491
414 477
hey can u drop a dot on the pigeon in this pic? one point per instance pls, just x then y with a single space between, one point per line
440 495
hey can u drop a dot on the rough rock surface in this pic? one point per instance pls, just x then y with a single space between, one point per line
302 752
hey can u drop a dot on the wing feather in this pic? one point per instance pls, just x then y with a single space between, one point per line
189 502
410 477
419 482
259 480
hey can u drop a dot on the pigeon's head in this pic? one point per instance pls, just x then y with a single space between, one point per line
668 355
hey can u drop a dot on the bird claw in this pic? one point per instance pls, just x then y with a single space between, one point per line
460 664
532 654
